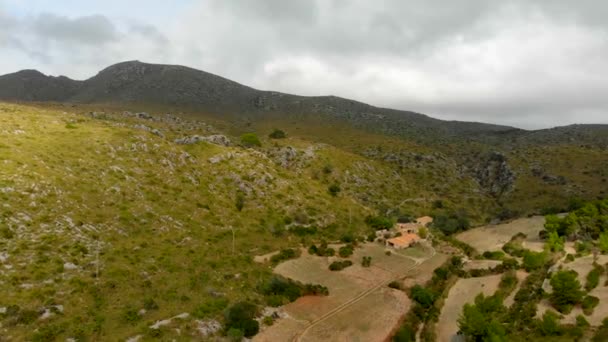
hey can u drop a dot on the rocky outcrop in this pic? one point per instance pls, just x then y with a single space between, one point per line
216 139
494 174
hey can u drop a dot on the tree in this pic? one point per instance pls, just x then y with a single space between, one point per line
555 243
549 324
240 316
479 322
277 134
566 291
423 296
533 260
250 140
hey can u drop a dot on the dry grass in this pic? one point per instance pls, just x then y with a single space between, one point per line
493 237
369 318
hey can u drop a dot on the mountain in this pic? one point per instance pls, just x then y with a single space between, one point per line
178 86
520 169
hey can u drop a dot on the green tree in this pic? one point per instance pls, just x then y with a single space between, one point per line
555 243
250 140
534 260
566 291
422 296
549 324
480 321
240 316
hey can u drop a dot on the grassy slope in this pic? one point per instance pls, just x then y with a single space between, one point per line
159 214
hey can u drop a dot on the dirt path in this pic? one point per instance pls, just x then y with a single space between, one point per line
417 262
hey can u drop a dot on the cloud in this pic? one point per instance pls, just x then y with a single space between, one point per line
523 63
87 30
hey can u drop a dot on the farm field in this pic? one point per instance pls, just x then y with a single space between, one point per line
359 297
463 292
493 237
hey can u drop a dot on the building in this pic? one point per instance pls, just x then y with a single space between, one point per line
424 220
407 228
403 241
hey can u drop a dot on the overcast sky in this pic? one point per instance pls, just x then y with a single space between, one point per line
531 64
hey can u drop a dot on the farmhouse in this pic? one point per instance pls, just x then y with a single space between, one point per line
424 220
403 241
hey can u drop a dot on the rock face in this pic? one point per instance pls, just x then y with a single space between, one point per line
216 139
494 174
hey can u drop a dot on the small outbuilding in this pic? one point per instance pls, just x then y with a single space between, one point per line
403 241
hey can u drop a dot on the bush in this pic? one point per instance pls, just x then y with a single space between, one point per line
210 307
284 254
379 222
277 134
589 303
279 290
366 261
534 260
424 297
240 316
150 304
394 285
250 140
493 255
340 265
593 277
346 251
334 189
549 324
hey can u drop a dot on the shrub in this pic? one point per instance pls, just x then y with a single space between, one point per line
379 222
240 316
549 324
534 260
346 251
240 201
394 285
250 140
284 254
334 189
589 303
130 315
510 264
210 307
340 265
277 134
593 277
150 304
423 296
366 261
423 232
493 255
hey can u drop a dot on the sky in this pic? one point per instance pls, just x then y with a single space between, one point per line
526 63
